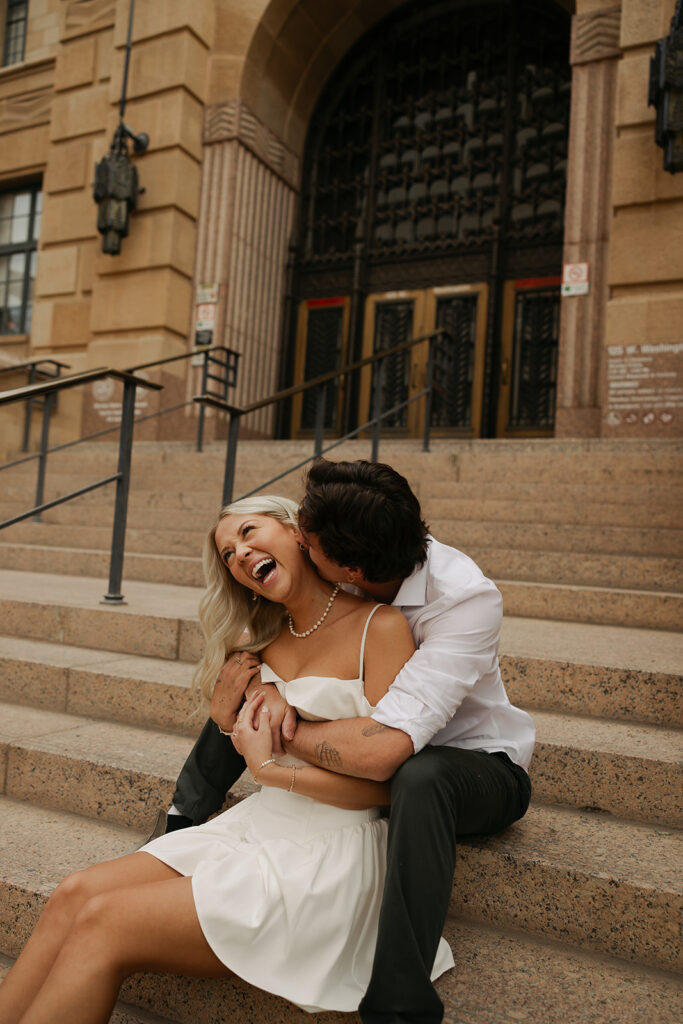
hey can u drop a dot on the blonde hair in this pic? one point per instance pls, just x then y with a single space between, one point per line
230 619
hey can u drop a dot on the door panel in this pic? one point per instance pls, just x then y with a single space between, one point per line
391 319
531 324
458 373
321 346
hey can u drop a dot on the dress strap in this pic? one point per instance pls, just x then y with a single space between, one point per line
362 643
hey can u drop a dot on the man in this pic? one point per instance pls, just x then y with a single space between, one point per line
446 734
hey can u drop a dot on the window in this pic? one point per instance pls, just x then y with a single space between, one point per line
19 230
15 31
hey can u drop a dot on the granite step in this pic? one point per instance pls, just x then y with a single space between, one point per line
631 572
600 511
157 620
615 673
615 885
525 978
129 688
633 515
628 770
602 605
160 620
611 672
464 534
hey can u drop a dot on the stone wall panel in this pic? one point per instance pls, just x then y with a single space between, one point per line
69 167
82 112
160 64
76 64
81 17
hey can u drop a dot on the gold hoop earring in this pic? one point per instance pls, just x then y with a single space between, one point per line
254 596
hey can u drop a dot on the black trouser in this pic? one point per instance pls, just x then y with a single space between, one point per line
212 767
436 796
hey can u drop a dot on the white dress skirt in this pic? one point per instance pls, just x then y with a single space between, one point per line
287 889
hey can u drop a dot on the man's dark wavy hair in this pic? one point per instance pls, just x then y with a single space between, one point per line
366 517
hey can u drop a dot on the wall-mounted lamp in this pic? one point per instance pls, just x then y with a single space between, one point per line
116 188
666 92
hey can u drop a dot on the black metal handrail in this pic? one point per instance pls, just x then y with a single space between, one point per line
227 380
319 384
34 367
122 477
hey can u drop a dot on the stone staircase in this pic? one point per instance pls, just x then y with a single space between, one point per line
572 915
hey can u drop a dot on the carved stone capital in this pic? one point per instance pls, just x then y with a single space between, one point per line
595 36
225 122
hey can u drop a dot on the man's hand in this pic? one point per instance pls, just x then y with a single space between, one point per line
239 670
282 717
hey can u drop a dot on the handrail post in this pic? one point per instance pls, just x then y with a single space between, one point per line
42 460
378 376
28 410
320 394
428 397
202 410
118 536
231 456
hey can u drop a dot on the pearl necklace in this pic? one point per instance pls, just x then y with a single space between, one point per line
320 621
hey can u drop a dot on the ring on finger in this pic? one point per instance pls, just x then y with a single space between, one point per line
238 659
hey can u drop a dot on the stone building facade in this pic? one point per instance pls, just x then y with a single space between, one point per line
236 95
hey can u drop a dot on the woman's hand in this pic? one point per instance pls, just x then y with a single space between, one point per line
252 732
232 681
282 717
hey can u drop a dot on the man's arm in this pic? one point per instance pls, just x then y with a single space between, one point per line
352 746
459 646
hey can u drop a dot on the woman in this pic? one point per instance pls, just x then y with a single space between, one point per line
283 889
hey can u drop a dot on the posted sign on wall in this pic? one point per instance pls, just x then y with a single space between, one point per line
644 390
575 278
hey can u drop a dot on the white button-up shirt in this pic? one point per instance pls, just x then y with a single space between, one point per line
450 692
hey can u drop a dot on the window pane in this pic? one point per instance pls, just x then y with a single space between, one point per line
22 204
19 231
18 260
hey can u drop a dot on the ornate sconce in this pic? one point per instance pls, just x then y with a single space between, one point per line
666 93
116 188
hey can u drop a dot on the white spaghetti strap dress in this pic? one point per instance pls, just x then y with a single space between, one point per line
287 889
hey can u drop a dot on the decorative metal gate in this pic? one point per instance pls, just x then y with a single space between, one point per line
437 157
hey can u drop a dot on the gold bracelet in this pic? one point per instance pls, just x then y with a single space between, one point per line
271 760
291 785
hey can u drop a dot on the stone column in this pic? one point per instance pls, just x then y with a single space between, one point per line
594 53
246 216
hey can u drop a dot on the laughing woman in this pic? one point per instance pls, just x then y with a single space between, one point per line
284 889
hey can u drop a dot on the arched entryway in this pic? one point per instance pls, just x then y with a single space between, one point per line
433 195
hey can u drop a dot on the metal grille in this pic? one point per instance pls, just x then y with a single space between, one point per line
323 353
441 130
534 367
454 362
393 325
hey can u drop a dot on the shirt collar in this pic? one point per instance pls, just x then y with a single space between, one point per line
413 590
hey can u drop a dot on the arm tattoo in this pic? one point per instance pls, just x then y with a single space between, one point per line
327 756
372 730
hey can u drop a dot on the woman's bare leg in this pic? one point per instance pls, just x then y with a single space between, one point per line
40 952
142 928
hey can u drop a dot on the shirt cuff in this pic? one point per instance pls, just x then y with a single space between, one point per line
410 715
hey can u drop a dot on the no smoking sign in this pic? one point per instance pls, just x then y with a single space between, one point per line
575 279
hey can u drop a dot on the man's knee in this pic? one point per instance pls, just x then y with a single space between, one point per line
423 779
